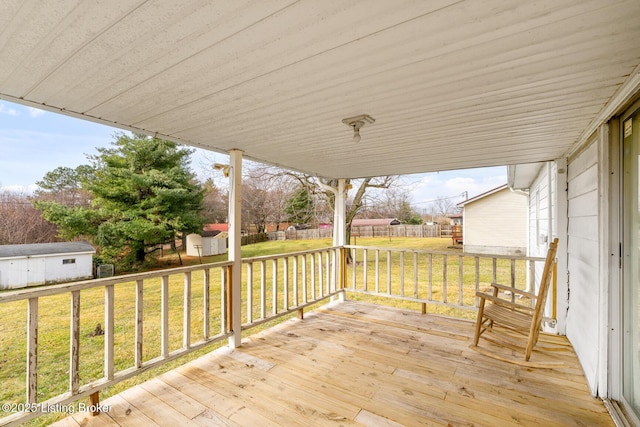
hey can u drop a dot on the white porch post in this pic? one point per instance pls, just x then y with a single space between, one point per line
339 230
235 223
339 216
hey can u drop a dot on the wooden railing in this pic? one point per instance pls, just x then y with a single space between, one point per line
150 306
281 284
154 317
435 278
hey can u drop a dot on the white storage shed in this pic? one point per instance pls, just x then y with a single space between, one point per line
44 263
206 243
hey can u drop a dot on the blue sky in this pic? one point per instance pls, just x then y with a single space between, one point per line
34 142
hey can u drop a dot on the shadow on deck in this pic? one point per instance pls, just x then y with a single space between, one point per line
355 363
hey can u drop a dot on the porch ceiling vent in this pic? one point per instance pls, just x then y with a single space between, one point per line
356 123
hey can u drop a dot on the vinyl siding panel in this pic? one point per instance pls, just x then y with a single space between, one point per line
496 224
583 259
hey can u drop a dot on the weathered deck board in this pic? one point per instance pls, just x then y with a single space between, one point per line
361 364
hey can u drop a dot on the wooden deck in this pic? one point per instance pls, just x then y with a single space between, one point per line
360 364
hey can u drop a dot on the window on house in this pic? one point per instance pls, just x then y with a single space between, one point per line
69 261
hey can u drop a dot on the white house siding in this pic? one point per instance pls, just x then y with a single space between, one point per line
542 222
583 260
496 224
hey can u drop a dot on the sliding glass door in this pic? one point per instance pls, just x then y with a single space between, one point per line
631 264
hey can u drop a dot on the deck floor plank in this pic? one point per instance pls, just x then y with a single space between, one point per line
355 363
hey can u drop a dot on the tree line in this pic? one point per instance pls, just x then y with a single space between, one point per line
140 193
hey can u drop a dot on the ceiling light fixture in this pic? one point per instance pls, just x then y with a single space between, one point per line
223 168
356 123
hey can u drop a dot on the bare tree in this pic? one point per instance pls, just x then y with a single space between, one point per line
443 206
21 223
265 193
215 203
355 204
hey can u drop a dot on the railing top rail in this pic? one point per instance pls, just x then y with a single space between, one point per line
468 254
61 288
288 254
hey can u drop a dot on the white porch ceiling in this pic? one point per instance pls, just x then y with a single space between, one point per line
452 84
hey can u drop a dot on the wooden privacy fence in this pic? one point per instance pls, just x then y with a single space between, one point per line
402 230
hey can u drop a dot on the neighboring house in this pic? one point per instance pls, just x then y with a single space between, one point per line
374 222
456 218
44 263
495 222
207 243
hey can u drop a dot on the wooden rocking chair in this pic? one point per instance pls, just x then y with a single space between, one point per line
526 321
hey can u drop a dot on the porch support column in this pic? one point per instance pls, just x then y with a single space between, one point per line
339 216
340 231
235 223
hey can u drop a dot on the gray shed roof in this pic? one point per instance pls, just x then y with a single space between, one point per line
12 251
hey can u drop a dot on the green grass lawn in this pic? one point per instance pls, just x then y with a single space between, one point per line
53 351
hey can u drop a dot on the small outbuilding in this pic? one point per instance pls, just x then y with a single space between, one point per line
495 222
44 263
206 243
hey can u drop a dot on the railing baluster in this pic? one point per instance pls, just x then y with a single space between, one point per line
513 279
460 277
415 274
532 276
109 318
250 292
313 276
402 273
304 279
430 277
164 314
32 351
320 276
274 286
389 272
377 271
224 302
330 270
74 346
354 264
295 282
285 272
139 322
477 262
186 311
206 308
495 270
365 268
263 289
444 278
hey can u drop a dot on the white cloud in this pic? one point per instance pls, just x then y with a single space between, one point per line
7 110
426 188
35 112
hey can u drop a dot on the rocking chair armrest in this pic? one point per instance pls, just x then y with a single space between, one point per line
514 290
505 303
